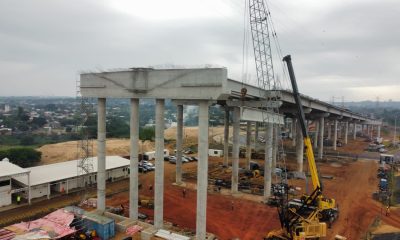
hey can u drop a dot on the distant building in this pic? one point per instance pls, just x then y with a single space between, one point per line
6 131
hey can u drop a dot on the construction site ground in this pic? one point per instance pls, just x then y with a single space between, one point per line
352 186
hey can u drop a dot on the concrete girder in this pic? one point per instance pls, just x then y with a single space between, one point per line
257 115
255 104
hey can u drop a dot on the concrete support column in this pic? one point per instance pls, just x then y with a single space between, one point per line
317 127
235 149
268 161
346 132
134 164
248 145
256 135
101 154
179 140
329 130
159 171
378 134
294 131
368 130
335 125
299 149
354 131
321 138
226 137
275 146
202 172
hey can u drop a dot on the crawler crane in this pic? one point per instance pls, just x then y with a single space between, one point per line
305 220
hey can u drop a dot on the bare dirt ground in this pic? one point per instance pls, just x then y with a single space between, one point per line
247 220
59 152
352 187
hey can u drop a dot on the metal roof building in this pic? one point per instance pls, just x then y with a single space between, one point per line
8 171
45 180
65 170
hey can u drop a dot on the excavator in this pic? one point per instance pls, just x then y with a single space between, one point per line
307 218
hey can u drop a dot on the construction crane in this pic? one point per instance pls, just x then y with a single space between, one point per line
306 219
327 206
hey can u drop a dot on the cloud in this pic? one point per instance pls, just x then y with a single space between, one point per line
335 44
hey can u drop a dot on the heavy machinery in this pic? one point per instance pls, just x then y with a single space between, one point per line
327 207
305 219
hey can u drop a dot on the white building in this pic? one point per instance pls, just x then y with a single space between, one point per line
215 152
8 171
46 180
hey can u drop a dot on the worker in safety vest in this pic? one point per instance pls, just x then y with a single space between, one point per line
18 199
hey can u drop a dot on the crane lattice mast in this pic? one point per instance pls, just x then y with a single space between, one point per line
262 44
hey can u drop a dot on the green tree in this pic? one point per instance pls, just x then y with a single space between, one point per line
27 140
22 156
147 133
117 127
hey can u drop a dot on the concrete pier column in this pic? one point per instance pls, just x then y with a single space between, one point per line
321 138
179 140
101 154
346 132
299 149
256 134
134 164
235 149
335 125
202 172
226 137
368 130
317 127
329 129
378 131
248 144
275 146
294 131
354 131
268 161
159 171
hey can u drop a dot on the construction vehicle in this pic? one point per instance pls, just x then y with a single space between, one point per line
329 211
305 219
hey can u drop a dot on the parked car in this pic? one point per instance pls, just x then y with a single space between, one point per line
142 216
142 169
149 166
172 159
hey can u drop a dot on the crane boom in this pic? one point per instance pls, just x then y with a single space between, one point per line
301 117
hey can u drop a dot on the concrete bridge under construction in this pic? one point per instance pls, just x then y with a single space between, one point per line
204 87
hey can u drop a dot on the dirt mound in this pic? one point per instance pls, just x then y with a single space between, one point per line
66 151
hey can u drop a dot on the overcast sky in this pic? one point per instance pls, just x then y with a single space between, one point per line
339 48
